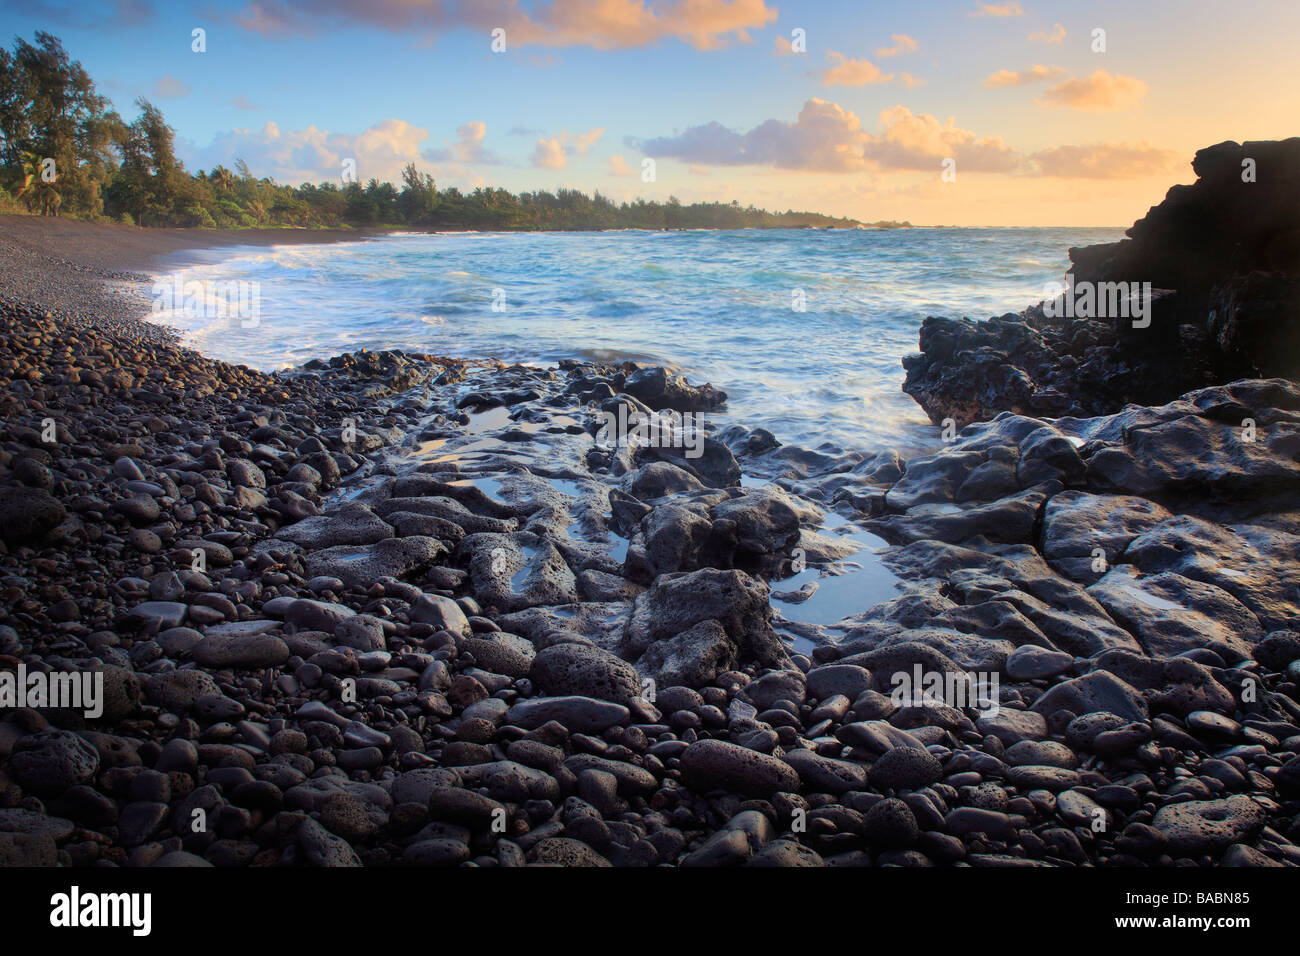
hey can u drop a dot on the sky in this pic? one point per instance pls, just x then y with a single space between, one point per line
940 113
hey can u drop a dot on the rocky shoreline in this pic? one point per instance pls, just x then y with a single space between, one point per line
1219 261
396 609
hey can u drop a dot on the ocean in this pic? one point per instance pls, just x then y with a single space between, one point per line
804 329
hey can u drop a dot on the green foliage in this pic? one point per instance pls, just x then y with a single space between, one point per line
129 173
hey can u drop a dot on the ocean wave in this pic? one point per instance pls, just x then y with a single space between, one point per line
722 306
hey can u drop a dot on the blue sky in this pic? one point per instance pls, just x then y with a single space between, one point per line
1041 127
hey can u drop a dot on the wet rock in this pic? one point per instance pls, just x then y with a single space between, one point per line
51 761
718 765
576 714
1208 826
180 690
311 615
589 671
501 653
1077 524
27 515
1099 690
1171 614
159 615
694 658
352 523
562 851
362 565
517 571
1036 663
239 648
660 389
905 768
736 601
442 613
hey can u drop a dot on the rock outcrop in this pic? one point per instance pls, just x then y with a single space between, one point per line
1221 258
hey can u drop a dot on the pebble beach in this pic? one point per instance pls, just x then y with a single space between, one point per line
390 608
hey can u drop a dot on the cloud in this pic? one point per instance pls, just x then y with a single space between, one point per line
468 148
584 141
919 141
169 88
601 24
902 44
1099 92
848 72
996 10
1034 74
1054 37
313 154
910 81
242 102
695 170
782 46
550 154
1103 161
523 131
553 152
617 166
825 137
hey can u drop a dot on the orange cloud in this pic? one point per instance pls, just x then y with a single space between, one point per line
1099 92
553 152
602 24
902 44
826 137
919 141
549 154
996 10
1103 161
848 72
1034 74
617 166
1054 37
468 148
314 154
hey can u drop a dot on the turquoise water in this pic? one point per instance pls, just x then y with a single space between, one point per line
716 305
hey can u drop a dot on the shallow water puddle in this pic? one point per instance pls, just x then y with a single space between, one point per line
427 448
936 508
517 579
617 547
865 582
1150 600
566 486
480 422
484 483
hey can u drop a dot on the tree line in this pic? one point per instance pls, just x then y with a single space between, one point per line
64 151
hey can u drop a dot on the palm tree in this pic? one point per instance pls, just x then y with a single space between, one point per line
223 179
36 188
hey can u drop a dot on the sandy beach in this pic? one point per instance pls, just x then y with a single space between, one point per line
64 266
